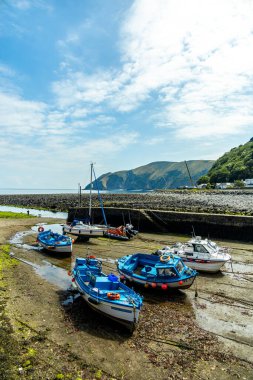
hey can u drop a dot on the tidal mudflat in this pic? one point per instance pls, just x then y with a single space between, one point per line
201 333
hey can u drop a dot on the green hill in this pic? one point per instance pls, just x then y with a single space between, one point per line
156 175
234 165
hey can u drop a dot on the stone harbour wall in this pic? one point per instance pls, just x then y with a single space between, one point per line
213 225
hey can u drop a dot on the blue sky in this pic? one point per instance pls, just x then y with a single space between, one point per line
121 83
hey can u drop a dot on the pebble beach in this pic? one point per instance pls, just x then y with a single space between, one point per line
211 201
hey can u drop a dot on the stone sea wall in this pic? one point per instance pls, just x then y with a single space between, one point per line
222 214
221 226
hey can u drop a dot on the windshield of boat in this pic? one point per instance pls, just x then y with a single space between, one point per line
200 248
162 272
180 266
212 245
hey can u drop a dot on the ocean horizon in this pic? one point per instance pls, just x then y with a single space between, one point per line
22 191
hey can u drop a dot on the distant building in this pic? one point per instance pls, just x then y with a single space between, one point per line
248 182
202 186
224 185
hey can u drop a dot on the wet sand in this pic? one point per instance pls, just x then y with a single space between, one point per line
179 335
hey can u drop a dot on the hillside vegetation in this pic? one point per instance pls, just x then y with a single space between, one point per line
232 166
156 175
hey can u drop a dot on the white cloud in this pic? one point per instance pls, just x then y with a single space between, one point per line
18 116
197 56
79 88
193 56
52 162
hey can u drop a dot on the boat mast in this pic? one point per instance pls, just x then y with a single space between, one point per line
189 174
91 170
100 198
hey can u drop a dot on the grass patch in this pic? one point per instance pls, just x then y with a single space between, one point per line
14 215
6 262
8 346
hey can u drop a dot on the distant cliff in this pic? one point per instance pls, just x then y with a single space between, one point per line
156 175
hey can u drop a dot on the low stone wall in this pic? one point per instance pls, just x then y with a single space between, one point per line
213 225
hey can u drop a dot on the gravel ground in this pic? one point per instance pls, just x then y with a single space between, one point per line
179 335
213 201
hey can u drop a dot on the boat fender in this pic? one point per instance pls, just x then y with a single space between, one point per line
113 296
164 258
40 229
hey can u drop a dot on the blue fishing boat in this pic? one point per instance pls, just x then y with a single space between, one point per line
54 242
166 272
105 293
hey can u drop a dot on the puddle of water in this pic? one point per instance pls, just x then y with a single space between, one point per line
53 274
18 238
224 320
35 212
242 268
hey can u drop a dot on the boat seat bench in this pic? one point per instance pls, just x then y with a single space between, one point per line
103 283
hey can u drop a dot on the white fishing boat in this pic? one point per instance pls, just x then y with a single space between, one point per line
85 230
200 254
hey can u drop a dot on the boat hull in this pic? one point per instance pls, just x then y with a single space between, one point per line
88 232
120 313
115 236
179 284
204 265
57 248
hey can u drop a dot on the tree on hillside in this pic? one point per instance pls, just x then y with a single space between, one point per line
234 165
203 179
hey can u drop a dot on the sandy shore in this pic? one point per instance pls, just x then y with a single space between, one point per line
218 201
175 339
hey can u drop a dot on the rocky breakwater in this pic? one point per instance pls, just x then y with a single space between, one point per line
234 202
226 214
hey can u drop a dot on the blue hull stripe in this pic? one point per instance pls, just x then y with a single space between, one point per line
122 310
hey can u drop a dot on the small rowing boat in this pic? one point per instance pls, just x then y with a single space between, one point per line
54 242
105 293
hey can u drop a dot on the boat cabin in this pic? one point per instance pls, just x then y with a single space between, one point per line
195 246
151 266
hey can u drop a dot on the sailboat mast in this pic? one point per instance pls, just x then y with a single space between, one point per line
189 174
91 169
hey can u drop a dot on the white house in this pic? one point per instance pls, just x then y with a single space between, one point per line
248 182
222 186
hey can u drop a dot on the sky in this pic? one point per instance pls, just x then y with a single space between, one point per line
120 83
